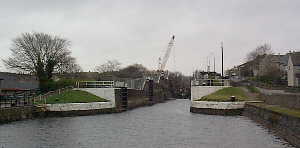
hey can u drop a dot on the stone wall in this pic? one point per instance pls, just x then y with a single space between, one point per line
285 100
137 98
19 113
285 126
199 91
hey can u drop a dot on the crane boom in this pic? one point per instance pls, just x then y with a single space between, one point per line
167 54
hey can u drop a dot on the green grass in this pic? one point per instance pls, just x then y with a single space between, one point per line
74 96
224 95
279 109
252 89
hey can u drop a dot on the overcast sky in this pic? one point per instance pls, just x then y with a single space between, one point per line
137 31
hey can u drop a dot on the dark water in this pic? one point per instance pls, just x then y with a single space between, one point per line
166 125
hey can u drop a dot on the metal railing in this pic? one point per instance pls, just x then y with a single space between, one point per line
95 84
138 83
210 82
129 83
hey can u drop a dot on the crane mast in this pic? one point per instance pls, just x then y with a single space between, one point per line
163 62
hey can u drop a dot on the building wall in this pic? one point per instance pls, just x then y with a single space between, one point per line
296 80
18 81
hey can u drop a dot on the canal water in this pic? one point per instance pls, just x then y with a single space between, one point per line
165 125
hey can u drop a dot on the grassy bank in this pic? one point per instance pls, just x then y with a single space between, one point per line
74 96
224 95
252 89
279 109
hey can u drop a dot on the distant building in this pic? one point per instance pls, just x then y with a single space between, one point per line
277 61
293 70
205 75
259 66
16 82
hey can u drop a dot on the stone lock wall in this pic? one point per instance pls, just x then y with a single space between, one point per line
285 126
19 113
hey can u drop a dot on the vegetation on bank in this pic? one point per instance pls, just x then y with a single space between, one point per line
224 95
52 85
252 89
279 109
74 96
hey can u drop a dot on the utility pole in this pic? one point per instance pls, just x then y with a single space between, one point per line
214 67
222 60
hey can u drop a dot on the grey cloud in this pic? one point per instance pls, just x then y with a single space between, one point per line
137 31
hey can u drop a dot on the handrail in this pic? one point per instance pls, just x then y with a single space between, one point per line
95 84
210 82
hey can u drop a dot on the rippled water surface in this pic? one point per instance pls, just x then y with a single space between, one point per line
166 125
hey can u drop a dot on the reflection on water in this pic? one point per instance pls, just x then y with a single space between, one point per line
166 125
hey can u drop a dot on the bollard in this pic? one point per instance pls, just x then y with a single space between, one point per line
232 99
150 91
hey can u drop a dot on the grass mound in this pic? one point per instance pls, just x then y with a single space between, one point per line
224 95
74 96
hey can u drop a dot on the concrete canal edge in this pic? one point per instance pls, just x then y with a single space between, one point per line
78 109
217 108
134 98
285 126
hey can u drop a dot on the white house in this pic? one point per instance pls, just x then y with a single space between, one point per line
293 70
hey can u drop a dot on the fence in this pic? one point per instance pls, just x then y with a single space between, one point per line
42 98
135 83
210 82
28 98
129 83
17 99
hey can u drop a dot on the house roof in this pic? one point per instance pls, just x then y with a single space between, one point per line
281 59
295 56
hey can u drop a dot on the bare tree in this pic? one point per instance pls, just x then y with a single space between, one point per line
109 66
269 68
40 54
258 51
69 65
